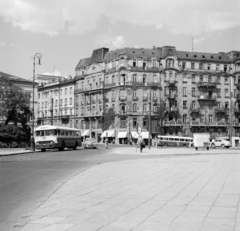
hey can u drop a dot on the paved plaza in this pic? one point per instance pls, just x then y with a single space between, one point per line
185 192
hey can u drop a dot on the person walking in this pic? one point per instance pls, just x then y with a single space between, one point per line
140 142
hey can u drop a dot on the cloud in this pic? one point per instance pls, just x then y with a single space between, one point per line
198 40
111 42
192 17
2 44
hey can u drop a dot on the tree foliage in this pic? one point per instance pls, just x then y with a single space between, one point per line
108 119
15 103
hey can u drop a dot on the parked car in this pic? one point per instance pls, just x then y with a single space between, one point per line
220 143
90 143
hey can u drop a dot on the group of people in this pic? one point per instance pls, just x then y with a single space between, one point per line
140 143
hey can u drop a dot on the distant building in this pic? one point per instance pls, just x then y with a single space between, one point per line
27 86
46 79
200 89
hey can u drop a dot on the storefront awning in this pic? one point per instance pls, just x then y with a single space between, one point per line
108 134
134 135
122 135
145 135
85 133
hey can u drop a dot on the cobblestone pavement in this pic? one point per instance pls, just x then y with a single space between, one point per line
178 193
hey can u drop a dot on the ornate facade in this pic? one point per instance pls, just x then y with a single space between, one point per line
200 91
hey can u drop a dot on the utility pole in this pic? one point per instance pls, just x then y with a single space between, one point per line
230 107
149 120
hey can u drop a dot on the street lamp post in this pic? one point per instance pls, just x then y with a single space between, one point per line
149 120
36 56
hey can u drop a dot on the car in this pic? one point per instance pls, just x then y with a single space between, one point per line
90 143
220 143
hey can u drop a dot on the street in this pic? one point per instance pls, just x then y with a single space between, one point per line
27 180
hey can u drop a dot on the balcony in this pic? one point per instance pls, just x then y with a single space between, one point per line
172 83
109 85
122 98
206 97
145 99
80 90
194 110
207 84
155 99
135 98
221 110
64 117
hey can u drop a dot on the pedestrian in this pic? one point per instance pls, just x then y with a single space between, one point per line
140 142
106 143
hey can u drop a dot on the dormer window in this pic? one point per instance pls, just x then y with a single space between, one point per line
211 57
220 57
203 56
195 56
134 63
186 55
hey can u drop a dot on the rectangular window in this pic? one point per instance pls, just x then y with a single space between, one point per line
61 102
226 105
70 103
134 122
209 78
56 102
61 91
194 92
134 78
184 91
134 93
183 65
65 102
210 118
184 78
122 92
154 93
65 91
217 67
225 68
145 93
200 66
70 90
226 80
235 93
218 93
192 65
39 96
218 79
193 104
226 93
155 78
134 63
201 78
209 67
134 107
184 104
193 78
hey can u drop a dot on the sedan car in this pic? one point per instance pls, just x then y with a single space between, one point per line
90 143
221 143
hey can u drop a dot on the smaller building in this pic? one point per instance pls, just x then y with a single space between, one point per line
56 103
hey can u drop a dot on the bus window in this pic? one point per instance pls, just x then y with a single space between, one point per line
58 131
66 133
62 132
70 133
39 133
50 132
181 139
176 139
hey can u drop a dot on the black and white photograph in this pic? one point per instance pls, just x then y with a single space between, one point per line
119 115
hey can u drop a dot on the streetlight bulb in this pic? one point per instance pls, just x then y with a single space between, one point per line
39 61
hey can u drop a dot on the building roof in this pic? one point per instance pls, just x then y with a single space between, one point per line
220 57
83 62
14 78
133 53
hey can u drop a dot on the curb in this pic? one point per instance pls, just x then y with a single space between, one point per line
17 153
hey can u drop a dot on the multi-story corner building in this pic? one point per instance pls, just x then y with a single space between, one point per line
56 103
200 91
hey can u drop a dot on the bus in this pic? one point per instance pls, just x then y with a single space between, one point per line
178 141
56 137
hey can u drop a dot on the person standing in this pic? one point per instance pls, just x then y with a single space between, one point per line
106 143
140 142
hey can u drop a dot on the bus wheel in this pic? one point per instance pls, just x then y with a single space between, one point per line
75 147
43 149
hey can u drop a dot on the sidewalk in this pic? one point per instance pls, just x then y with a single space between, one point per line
197 192
14 151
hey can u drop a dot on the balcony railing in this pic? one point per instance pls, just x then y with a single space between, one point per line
172 96
171 83
145 98
109 85
122 98
206 97
135 98
207 84
221 110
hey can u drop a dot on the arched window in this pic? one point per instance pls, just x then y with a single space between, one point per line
123 108
155 78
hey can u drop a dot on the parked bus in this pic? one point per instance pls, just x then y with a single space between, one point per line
50 137
178 141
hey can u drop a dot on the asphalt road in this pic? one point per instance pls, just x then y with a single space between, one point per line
27 180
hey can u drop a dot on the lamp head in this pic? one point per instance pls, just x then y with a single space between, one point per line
39 61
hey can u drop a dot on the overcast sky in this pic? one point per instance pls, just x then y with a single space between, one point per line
65 31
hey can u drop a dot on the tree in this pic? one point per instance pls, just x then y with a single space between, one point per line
15 103
108 118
